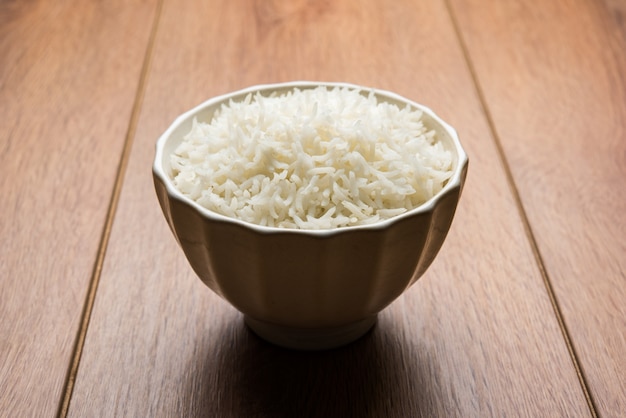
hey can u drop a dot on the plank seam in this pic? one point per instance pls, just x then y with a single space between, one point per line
108 224
524 217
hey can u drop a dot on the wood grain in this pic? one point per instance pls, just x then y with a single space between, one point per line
66 92
476 336
553 77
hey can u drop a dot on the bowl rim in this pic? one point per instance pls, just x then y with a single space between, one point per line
455 181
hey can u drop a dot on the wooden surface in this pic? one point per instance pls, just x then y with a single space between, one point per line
521 314
568 161
65 100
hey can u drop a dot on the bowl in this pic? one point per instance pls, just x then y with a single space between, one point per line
308 289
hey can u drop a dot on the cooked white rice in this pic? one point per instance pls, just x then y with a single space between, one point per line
311 159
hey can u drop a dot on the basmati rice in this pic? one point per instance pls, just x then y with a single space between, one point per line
311 159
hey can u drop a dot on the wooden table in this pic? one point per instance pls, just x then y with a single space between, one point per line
522 314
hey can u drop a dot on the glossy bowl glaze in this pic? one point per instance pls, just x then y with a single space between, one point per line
307 289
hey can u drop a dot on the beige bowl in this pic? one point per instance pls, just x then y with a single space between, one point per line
307 289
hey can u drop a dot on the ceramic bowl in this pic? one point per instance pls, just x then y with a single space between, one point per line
307 289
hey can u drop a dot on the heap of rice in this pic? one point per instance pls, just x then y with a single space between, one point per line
311 159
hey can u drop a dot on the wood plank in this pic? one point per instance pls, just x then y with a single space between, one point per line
553 78
66 93
476 336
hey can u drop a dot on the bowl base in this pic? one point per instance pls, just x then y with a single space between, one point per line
310 338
